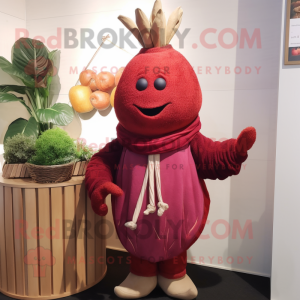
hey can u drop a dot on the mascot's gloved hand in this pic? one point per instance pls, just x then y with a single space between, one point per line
245 141
98 197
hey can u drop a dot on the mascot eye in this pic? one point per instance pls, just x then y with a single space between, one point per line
141 84
160 84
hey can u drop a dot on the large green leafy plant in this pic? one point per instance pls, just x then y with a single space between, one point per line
33 64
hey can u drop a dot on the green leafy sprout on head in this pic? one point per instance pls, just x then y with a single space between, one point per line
54 147
19 149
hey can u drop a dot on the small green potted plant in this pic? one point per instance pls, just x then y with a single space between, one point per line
54 158
17 151
83 155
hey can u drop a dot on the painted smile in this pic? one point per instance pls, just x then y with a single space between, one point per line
151 112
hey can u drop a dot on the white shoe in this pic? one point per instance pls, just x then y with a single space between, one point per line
181 288
134 286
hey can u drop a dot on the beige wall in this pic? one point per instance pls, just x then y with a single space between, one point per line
286 244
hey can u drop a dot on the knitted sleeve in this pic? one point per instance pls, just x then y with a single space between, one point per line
216 160
100 176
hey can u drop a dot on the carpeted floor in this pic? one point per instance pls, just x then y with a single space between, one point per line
212 284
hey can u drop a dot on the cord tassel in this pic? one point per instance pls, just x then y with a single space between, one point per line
153 170
132 224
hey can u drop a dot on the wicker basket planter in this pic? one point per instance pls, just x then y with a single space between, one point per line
15 171
22 171
80 168
50 174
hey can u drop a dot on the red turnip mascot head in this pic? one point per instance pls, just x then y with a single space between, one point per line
156 167
158 93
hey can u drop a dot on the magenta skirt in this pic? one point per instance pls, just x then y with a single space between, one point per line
159 238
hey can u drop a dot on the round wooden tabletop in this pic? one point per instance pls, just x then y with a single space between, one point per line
29 183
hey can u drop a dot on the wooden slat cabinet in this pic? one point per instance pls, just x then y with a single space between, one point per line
51 242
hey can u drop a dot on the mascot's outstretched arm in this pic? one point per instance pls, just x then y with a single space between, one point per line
219 160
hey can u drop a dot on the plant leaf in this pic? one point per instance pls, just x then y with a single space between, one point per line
44 92
10 69
7 97
31 57
13 88
59 114
52 54
28 128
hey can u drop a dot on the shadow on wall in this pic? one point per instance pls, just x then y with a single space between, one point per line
74 128
202 277
253 189
55 85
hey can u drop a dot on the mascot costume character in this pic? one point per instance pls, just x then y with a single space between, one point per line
156 167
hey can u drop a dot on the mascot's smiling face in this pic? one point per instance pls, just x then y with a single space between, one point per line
158 93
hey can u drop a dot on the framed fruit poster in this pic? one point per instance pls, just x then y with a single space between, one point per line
292 33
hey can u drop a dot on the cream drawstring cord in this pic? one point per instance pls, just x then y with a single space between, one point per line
153 167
